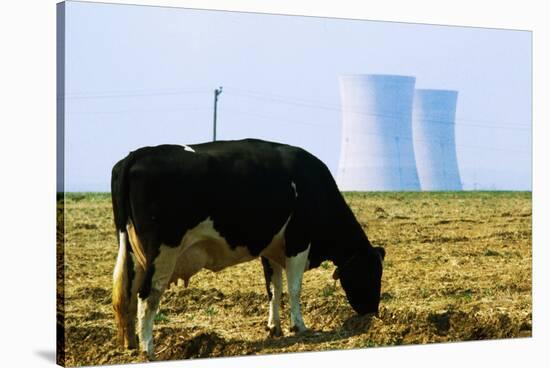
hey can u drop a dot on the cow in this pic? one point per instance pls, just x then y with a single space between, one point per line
179 209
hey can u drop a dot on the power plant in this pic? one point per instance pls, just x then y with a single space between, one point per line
377 151
396 138
434 139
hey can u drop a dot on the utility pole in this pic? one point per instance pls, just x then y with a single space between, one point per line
217 92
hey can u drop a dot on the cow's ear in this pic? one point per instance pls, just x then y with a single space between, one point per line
381 252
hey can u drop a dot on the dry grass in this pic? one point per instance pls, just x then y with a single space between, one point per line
458 267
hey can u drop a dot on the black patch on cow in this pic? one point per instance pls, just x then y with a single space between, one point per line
381 252
151 245
268 274
130 271
147 283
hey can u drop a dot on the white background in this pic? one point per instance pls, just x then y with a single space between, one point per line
27 180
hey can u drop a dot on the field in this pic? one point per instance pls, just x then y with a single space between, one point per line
457 268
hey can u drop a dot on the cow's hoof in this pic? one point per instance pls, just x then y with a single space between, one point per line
131 344
146 357
299 330
275 331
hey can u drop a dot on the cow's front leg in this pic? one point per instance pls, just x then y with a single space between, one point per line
274 284
295 267
155 282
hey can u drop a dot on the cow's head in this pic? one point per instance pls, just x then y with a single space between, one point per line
361 276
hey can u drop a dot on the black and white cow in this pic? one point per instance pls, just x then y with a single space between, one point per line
179 209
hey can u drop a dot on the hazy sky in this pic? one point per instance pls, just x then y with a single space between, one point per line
140 76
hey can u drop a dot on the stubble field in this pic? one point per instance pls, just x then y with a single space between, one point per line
457 268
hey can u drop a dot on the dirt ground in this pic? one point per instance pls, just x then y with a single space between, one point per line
457 268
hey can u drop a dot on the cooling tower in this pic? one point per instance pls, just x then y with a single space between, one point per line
377 150
434 139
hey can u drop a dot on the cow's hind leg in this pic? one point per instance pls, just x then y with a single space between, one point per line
274 280
137 280
295 268
156 280
127 278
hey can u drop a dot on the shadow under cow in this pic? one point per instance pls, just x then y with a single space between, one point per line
210 344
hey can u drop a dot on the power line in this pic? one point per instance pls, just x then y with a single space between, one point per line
331 107
315 103
136 111
288 100
276 118
124 94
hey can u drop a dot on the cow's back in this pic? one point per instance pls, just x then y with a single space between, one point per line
249 188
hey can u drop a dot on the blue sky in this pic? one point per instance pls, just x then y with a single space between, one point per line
140 76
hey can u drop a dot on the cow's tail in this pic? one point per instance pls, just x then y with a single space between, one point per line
119 192
121 273
121 285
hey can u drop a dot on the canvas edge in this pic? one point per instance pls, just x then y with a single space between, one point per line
60 184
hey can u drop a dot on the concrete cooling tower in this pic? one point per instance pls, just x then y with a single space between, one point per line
377 148
434 139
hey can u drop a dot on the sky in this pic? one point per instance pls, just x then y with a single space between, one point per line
142 75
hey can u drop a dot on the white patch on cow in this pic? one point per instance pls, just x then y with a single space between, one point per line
165 263
190 261
275 251
204 247
295 268
187 148
147 308
274 321
294 187
146 312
